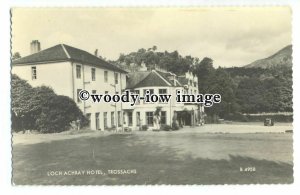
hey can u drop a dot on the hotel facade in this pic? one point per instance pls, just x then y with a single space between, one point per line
68 70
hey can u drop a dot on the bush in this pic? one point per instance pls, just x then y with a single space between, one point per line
165 127
57 114
214 119
237 117
175 126
41 109
277 118
144 128
258 118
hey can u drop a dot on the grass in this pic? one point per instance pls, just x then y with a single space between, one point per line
159 158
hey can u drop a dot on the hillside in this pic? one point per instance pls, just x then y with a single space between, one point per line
281 58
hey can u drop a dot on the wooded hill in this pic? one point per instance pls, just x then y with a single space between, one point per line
262 86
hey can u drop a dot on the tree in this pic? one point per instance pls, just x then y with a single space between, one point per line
171 61
221 83
41 109
16 55
204 71
22 111
57 113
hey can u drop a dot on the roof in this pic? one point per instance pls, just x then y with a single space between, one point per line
183 80
63 52
152 78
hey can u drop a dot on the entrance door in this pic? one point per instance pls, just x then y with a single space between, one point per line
97 120
88 116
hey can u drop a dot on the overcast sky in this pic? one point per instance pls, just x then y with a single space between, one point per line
230 36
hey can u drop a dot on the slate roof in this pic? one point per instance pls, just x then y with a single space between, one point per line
183 80
63 52
152 78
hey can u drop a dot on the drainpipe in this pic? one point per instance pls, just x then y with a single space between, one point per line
122 123
83 86
73 85
171 110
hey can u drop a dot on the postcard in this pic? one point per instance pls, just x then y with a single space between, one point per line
151 96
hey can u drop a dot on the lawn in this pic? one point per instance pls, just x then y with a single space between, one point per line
158 158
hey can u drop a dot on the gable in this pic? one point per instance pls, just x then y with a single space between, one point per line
152 80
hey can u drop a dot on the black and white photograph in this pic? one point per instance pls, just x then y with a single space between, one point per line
152 96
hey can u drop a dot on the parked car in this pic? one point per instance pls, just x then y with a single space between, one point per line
269 122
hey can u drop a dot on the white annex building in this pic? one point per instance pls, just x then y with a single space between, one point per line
67 70
161 82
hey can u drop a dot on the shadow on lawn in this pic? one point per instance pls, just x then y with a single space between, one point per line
154 164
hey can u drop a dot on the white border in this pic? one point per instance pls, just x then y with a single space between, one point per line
5 136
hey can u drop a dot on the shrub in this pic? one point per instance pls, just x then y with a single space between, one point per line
237 117
57 114
144 128
165 127
175 126
41 109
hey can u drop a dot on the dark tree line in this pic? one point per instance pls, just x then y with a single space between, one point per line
247 90
171 61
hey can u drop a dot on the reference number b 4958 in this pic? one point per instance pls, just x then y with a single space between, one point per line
247 169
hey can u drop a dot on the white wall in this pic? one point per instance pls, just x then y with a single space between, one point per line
55 75
61 77
85 82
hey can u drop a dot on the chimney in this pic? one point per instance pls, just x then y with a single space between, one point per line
96 52
35 46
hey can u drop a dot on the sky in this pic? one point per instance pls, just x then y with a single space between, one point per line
232 36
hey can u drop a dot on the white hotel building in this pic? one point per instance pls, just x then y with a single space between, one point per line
67 70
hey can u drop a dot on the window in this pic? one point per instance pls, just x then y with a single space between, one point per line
116 78
105 76
129 118
33 72
97 114
149 118
112 119
78 98
163 117
105 119
94 91
119 118
93 74
138 93
138 118
150 90
162 91
78 71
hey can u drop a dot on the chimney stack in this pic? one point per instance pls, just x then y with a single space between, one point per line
96 52
35 46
